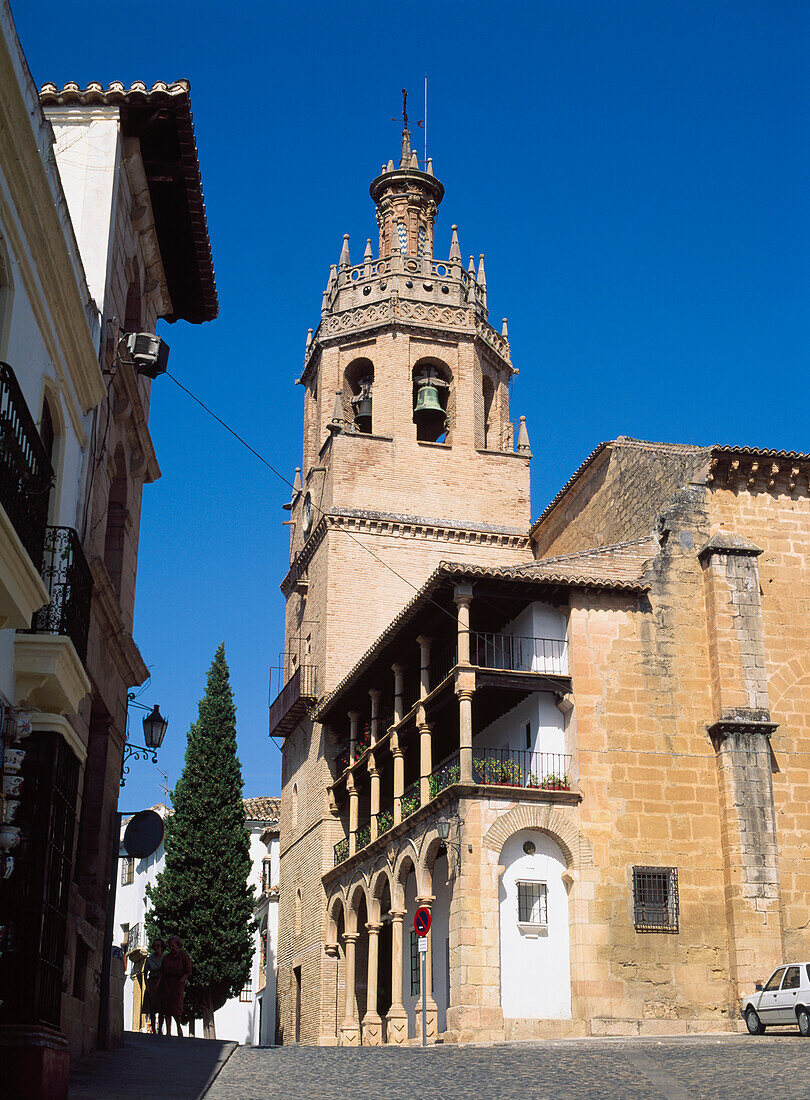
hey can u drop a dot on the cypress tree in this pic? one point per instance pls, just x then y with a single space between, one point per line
202 893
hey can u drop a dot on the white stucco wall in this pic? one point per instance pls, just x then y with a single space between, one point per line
535 966
237 1020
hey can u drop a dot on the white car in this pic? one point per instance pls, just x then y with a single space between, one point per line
783 1000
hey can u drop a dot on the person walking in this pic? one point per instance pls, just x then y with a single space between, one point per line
175 970
152 973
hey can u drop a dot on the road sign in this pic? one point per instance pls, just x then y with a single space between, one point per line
422 942
143 834
421 921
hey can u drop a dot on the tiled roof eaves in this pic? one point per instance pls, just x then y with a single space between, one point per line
177 97
759 452
446 570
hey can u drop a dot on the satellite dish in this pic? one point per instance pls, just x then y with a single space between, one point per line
143 834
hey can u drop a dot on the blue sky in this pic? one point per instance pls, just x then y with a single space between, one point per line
637 175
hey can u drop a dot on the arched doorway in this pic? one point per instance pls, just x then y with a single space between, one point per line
535 952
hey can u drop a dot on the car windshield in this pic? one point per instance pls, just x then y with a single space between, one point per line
775 979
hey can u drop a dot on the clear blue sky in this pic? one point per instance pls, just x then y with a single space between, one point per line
638 175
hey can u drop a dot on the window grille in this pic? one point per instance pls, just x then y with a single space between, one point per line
247 991
266 874
133 938
532 903
127 870
655 899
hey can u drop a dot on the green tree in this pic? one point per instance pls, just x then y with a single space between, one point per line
202 893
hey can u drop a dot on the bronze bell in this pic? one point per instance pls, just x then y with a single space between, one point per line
427 402
361 404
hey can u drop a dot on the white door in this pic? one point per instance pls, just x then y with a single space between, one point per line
768 1006
535 966
786 997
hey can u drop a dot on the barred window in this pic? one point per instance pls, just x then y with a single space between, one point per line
127 870
267 867
655 899
247 991
532 903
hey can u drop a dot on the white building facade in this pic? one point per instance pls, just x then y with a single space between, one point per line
250 1018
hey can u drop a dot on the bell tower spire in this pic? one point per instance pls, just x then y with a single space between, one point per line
407 199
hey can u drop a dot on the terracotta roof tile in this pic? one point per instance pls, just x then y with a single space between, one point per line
262 808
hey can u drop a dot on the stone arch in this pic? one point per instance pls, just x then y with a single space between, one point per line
407 861
432 847
575 847
378 881
355 893
787 676
335 908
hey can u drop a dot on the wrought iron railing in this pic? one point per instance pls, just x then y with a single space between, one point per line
341 851
25 472
516 654
546 771
411 692
362 836
385 821
410 800
342 762
69 582
301 688
444 776
441 666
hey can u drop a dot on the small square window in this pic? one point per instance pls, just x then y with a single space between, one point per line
247 991
655 899
532 903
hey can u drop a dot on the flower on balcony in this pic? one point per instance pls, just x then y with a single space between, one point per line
443 778
410 804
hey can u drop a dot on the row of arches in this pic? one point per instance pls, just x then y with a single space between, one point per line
522 910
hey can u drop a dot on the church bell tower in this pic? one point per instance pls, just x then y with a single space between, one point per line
410 456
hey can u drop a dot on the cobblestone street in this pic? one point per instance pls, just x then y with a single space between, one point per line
722 1067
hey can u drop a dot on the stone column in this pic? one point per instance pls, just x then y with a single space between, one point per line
424 665
397 1017
465 682
375 695
374 782
399 689
425 762
427 993
354 806
740 729
399 776
354 724
350 1028
463 599
465 735
372 1023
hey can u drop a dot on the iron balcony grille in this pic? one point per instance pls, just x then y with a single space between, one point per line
444 775
655 899
545 771
69 582
441 666
341 851
293 701
25 472
363 835
515 654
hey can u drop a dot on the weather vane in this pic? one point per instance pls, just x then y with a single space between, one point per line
404 110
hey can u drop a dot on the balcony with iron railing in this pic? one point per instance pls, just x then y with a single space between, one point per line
69 582
294 699
25 471
548 656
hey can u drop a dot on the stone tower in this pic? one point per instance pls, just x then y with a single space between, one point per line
409 458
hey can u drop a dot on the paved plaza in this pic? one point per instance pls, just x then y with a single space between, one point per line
737 1066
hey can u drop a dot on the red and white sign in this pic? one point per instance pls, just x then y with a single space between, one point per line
421 921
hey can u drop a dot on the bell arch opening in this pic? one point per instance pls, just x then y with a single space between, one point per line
358 384
432 401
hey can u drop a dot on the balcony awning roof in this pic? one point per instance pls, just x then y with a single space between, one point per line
618 568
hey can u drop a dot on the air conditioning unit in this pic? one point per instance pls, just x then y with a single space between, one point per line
148 353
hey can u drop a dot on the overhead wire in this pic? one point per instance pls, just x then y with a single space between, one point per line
315 507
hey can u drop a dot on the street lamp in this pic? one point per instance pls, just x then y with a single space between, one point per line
154 730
